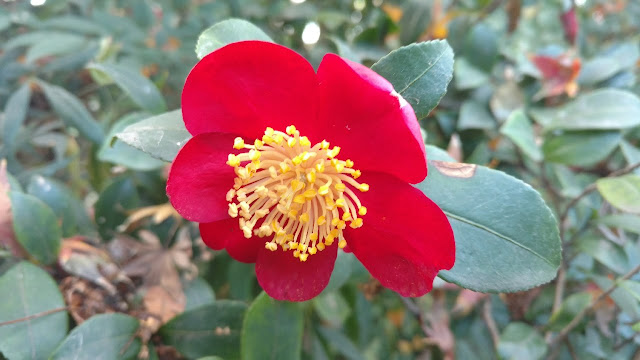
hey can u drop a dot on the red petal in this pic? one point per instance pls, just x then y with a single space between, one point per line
405 240
226 234
374 128
247 86
200 178
284 277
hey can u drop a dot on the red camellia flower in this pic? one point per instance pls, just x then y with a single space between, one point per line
286 166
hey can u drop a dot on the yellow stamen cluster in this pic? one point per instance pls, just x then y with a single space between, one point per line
299 194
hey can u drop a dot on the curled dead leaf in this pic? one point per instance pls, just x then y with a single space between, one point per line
457 170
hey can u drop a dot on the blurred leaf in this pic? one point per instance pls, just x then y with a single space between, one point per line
332 307
111 207
600 109
482 47
7 236
160 136
72 24
415 18
241 280
468 76
613 60
15 114
570 307
623 192
626 222
519 130
419 72
631 154
520 341
5 22
633 287
72 111
272 330
604 251
622 296
109 336
198 293
584 148
207 330
28 290
118 152
36 227
140 89
227 32
525 250
64 204
340 343
341 271
55 46
474 115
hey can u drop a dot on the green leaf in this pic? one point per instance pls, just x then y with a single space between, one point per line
474 115
241 278
419 72
108 336
341 271
198 293
625 296
506 237
623 192
570 307
72 112
272 330
207 330
518 129
140 89
160 136
332 307
28 290
583 148
340 343
521 341
631 154
36 227
55 45
600 109
15 113
227 32
63 203
626 222
468 76
117 152
111 207
609 254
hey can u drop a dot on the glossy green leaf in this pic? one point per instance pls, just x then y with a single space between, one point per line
112 205
160 136
506 237
69 209
420 73
623 192
72 112
272 330
518 129
198 293
626 222
15 114
584 148
207 330
36 227
28 290
107 336
140 89
118 152
570 307
474 115
600 109
520 341
227 32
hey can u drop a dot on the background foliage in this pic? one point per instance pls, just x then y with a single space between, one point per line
543 112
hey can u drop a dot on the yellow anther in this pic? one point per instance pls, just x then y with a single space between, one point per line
320 167
291 142
313 250
297 160
293 213
300 199
262 191
254 155
242 173
297 185
296 253
364 187
233 160
340 202
267 139
304 218
230 194
356 174
340 186
291 129
342 244
328 240
278 139
320 246
303 257
313 237
272 172
310 194
356 223
322 220
304 141
258 144
307 155
348 163
323 190
342 225
311 176
238 143
346 216
293 245
233 210
362 211
335 221
339 166
334 152
302 247
324 145
270 246
330 203
334 233
269 131
284 167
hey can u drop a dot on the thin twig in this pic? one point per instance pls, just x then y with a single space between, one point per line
572 351
33 316
491 323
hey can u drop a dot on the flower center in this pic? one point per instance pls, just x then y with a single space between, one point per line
301 194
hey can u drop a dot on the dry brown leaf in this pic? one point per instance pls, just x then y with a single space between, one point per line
467 301
158 214
437 327
160 302
7 237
